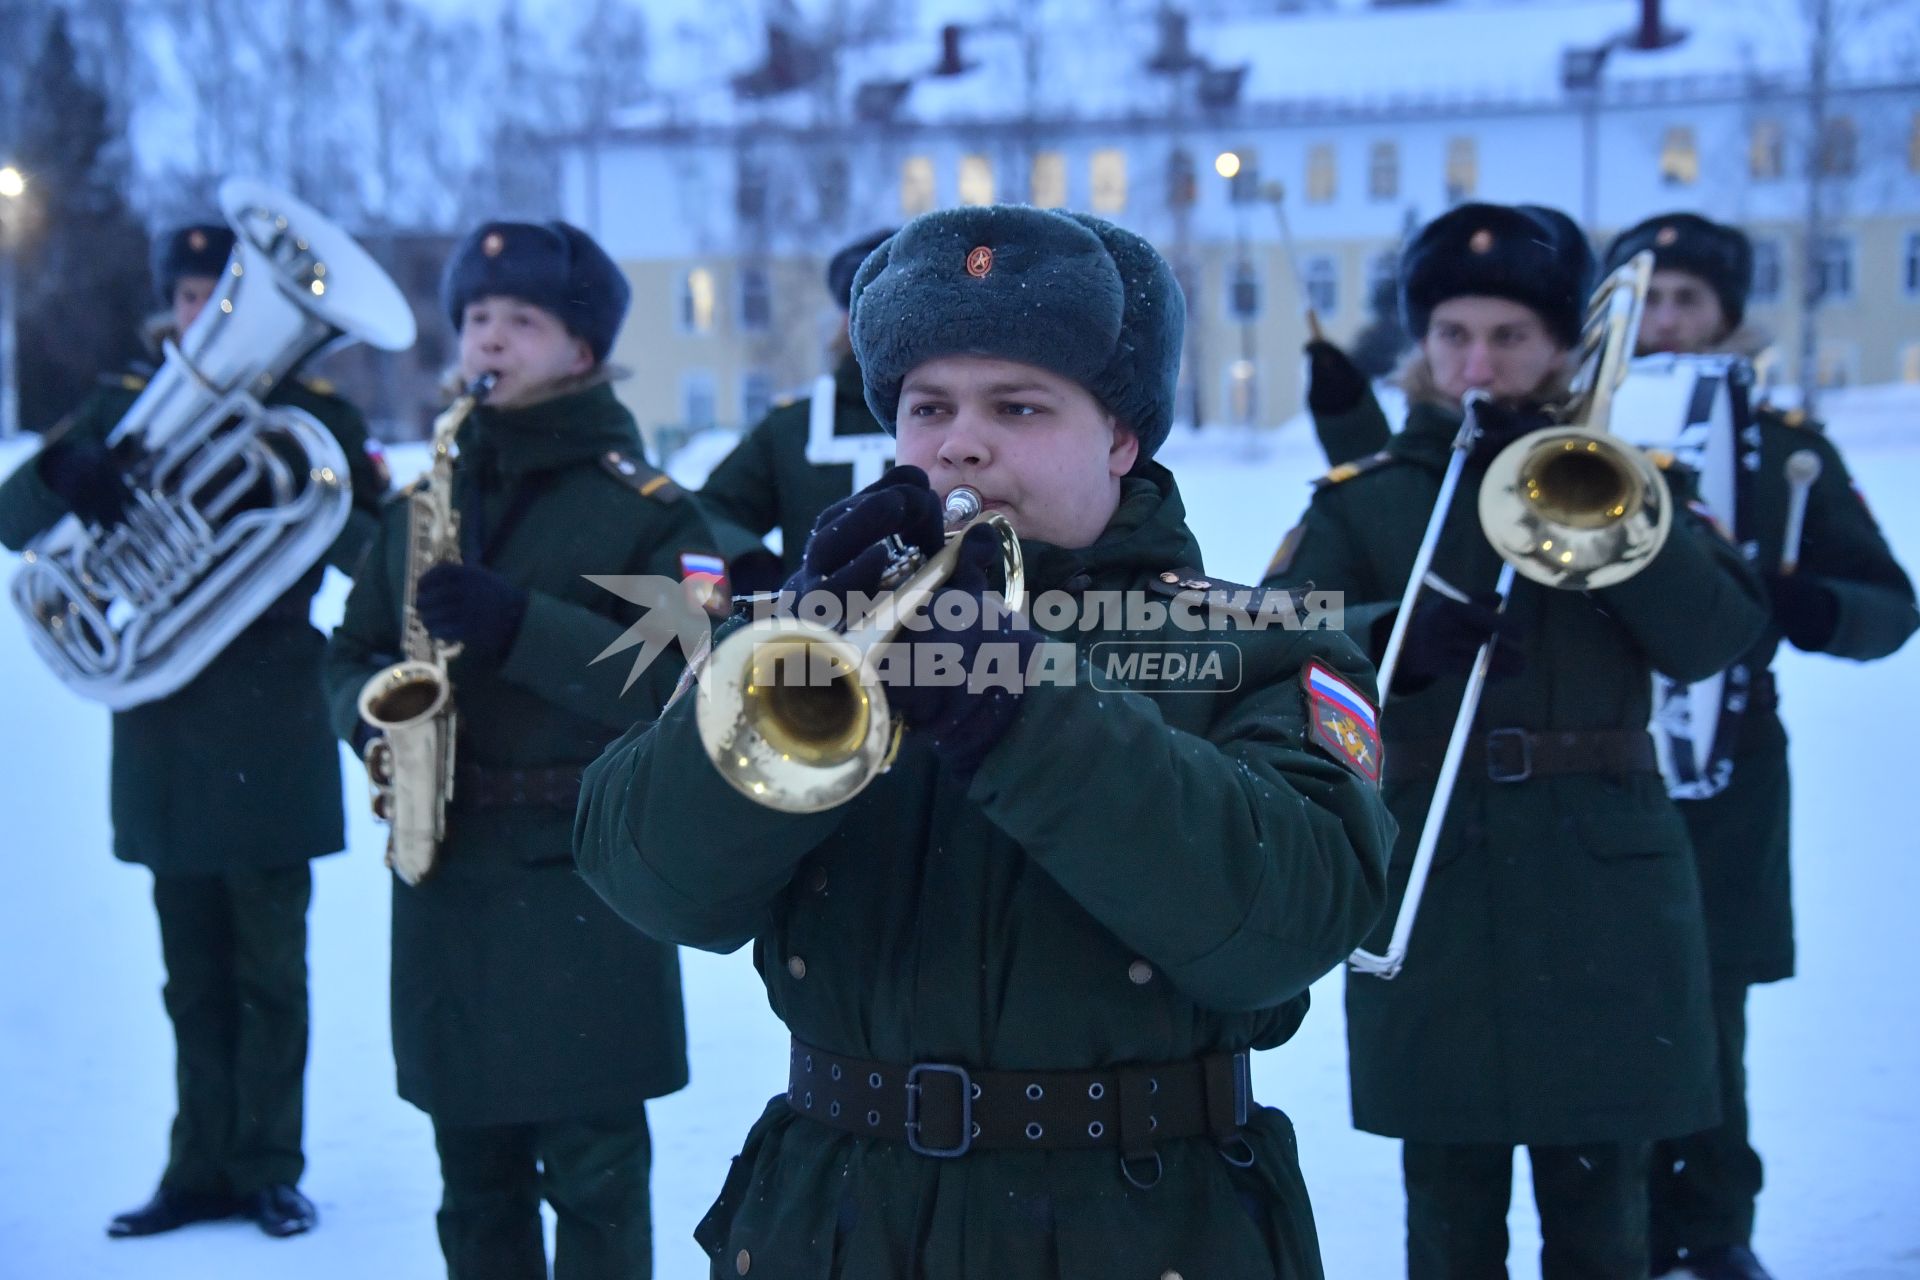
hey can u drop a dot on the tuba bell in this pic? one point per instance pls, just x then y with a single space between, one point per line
794 715
232 500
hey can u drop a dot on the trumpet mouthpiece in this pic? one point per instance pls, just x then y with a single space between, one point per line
963 504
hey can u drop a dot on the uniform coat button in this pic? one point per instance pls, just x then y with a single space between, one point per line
798 968
743 1262
1140 972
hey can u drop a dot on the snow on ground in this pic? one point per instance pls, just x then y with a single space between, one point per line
85 1052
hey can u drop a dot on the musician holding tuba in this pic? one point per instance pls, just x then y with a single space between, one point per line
224 788
1834 587
529 1022
1554 993
1025 956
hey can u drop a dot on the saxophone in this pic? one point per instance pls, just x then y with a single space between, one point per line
410 763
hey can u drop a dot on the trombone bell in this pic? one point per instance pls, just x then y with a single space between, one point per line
1574 508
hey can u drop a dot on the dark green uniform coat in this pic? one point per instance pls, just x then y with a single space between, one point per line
767 483
1740 835
238 769
1354 434
1131 877
517 995
1556 984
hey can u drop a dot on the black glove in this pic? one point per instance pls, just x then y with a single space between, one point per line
755 572
465 604
1500 426
1334 383
84 475
846 551
963 722
1808 612
1445 634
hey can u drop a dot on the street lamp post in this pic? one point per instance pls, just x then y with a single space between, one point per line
13 185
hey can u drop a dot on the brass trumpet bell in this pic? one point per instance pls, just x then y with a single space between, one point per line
1575 508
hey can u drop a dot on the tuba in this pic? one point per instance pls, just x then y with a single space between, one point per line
794 715
410 762
232 500
1569 506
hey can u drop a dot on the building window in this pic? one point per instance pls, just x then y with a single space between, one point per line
756 300
916 185
756 396
1766 150
1910 265
1383 282
1241 168
1840 147
696 399
833 184
1838 364
750 189
1323 174
976 180
1110 181
1243 291
1463 169
1383 171
696 301
1766 271
1679 157
1182 182
1047 186
1833 269
1322 284
1910 363
1243 392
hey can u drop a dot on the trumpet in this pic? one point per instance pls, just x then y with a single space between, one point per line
794 715
1569 506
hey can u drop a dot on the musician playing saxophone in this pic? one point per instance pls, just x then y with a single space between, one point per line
224 790
1837 589
1555 988
529 1022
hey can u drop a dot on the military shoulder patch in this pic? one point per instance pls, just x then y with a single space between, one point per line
705 577
1348 470
1288 549
320 386
1341 721
646 480
377 459
127 381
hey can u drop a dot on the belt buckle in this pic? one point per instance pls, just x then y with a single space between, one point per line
1497 760
913 1109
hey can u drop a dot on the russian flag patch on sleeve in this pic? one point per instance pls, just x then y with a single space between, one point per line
705 577
1341 720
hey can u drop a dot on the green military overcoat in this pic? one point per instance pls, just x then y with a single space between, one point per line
1556 986
517 995
1133 876
767 482
238 769
1740 836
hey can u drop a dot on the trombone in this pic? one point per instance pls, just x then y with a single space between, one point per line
794 714
1569 506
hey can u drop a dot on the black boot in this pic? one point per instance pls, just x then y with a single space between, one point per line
170 1210
282 1211
1728 1262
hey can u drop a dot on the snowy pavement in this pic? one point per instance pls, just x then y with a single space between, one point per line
85 1057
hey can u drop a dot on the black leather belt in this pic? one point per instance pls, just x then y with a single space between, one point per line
945 1110
481 787
1515 755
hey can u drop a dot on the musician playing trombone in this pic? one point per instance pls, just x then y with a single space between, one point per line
1834 589
1023 968
224 789
1554 993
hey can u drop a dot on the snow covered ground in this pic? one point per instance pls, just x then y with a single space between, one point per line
85 1066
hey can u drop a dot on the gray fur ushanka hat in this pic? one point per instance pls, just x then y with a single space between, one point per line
1065 292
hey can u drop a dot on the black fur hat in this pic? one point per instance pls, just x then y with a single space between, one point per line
1525 253
843 264
1716 253
552 265
198 250
1062 291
